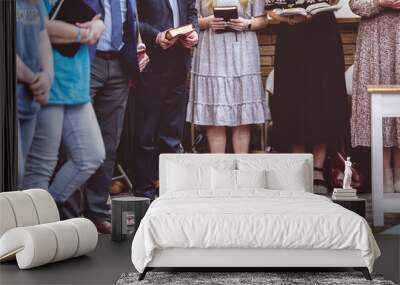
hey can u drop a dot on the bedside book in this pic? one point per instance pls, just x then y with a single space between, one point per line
344 197
340 190
344 194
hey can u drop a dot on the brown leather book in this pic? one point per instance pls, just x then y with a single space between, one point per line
179 31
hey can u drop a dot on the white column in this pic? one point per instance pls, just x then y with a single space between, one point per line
385 102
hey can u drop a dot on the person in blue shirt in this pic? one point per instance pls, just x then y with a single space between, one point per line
114 64
68 118
34 72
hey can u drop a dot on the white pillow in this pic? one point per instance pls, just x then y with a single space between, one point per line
251 178
236 179
290 180
281 174
193 174
223 179
182 177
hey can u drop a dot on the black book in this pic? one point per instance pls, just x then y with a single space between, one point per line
227 13
72 12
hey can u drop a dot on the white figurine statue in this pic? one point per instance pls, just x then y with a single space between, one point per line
347 174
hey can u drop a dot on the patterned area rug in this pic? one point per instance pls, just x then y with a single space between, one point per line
244 278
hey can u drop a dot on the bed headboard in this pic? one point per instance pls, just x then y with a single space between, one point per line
214 158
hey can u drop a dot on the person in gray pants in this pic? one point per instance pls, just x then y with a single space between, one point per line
114 67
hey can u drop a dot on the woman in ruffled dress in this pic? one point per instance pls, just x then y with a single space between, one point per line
226 88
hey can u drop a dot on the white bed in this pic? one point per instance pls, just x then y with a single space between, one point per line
203 220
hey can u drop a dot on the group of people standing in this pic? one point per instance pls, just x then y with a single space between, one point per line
309 106
79 102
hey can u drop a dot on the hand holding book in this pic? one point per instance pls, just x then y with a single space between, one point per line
217 24
189 40
92 30
73 12
391 4
186 35
240 24
163 41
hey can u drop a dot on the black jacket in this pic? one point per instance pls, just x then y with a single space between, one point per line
156 16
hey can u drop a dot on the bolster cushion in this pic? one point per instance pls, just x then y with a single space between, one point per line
26 208
37 245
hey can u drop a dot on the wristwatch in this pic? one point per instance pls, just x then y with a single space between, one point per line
249 25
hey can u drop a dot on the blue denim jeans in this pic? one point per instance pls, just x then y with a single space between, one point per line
26 131
77 128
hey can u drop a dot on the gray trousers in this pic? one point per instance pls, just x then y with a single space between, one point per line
109 90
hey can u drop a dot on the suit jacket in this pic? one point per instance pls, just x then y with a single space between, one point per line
156 16
129 50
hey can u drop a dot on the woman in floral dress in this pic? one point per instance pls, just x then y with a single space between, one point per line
377 62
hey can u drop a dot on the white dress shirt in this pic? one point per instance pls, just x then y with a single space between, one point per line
175 12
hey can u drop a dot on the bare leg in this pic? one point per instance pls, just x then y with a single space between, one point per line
388 181
319 152
387 157
241 139
216 137
298 148
320 186
396 166
396 157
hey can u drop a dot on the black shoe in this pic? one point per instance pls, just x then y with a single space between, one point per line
104 227
320 186
180 149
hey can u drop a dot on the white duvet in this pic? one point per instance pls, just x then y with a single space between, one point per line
253 218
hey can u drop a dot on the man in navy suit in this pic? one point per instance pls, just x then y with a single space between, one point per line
162 97
114 66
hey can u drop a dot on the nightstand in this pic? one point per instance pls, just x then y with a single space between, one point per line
127 212
357 205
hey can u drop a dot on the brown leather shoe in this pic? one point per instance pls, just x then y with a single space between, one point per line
104 227
117 187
